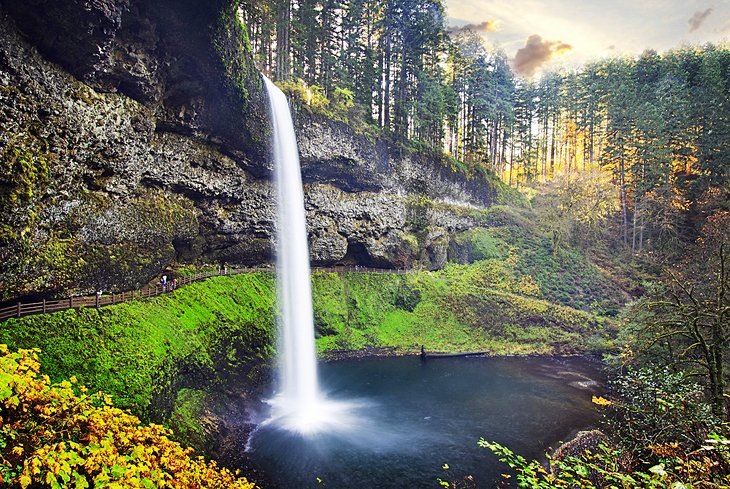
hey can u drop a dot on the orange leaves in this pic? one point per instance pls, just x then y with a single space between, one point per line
62 437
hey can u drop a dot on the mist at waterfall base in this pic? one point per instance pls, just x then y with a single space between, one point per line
298 406
422 415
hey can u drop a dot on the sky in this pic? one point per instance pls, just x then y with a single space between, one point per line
540 35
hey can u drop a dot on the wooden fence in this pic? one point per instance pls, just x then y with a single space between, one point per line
75 302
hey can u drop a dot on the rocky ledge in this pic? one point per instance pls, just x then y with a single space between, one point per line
133 135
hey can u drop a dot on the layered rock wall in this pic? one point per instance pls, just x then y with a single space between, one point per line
133 135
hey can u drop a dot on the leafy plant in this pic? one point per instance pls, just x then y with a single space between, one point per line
655 406
605 467
59 435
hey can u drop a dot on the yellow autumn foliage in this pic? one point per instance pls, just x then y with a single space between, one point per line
56 435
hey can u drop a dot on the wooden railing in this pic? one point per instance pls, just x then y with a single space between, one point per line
21 309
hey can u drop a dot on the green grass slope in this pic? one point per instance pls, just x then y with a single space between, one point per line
450 310
143 352
522 259
159 357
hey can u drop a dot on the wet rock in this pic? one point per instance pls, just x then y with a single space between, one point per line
147 146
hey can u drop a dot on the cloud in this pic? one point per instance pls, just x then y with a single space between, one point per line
536 53
486 26
698 18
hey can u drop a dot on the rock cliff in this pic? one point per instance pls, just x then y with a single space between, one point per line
133 135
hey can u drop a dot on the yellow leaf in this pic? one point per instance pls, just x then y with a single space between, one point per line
600 401
24 481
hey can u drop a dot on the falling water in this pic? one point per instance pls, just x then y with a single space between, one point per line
299 405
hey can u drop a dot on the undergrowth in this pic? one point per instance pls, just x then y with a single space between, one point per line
458 309
60 435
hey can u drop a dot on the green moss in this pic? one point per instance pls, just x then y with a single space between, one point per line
134 351
458 309
185 418
417 208
232 43
483 245
412 242
25 167
57 261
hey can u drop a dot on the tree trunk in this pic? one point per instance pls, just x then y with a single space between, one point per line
622 197
552 144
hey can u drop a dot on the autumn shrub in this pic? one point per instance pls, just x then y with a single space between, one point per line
60 435
705 468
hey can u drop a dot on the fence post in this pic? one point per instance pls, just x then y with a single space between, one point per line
71 302
44 306
114 298
18 309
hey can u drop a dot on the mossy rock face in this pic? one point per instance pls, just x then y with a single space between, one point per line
476 244
101 243
104 179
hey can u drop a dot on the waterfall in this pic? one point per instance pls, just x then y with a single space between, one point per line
298 406
298 364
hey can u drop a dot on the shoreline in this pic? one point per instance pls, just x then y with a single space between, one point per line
394 352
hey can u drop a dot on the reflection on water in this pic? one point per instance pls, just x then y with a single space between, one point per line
407 419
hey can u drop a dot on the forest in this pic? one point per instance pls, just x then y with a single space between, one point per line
655 128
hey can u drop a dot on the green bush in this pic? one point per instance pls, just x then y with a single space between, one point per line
605 468
658 406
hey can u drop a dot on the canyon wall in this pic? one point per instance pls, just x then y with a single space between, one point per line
134 135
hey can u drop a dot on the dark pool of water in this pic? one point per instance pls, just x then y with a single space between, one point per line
412 418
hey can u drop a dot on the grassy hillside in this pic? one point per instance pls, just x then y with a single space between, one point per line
456 309
164 358
143 352
522 259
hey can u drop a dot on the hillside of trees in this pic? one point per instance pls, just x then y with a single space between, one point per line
656 127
